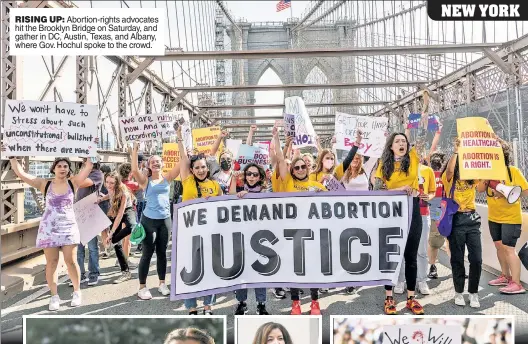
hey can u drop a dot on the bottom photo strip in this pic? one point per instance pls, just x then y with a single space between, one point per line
270 330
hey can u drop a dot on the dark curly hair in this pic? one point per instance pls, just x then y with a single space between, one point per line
61 159
125 170
387 157
437 160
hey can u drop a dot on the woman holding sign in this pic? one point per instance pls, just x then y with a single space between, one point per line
197 183
398 170
156 218
254 178
505 222
58 228
465 231
296 179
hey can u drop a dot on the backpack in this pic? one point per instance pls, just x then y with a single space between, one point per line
48 183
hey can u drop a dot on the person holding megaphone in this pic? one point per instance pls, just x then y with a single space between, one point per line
505 222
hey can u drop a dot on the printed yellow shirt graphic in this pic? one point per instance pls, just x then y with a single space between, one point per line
480 155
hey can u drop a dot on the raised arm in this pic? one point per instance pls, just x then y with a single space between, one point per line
273 155
281 163
136 173
37 183
319 147
175 171
434 143
79 179
217 143
334 148
352 153
185 163
450 170
249 140
286 151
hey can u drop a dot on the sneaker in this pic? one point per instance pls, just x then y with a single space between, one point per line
105 255
350 290
323 290
132 266
459 300
314 308
144 294
414 306
513 288
54 304
83 279
296 308
163 289
241 308
433 273
93 280
390 306
125 276
501 280
399 288
76 299
474 300
423 288
193 313
279 293
207 312
261 309
116 263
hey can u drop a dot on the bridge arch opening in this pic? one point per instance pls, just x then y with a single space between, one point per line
269 77
317 76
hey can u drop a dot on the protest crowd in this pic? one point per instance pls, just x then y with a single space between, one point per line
143 192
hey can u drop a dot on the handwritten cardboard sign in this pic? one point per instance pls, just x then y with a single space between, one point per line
140 128
422 334
332 184
91 220
374 133
166 122
49 129
304 130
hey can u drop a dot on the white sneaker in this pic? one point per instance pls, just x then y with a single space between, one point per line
144 294
76 299
54 304
399 288
423 288
459 299
474 300
163 289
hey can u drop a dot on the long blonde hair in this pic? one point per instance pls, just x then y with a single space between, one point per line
320 160
351 172
120 189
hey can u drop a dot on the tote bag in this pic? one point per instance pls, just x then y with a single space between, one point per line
449 208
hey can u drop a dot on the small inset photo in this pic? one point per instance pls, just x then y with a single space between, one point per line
277 329
128 329
423 330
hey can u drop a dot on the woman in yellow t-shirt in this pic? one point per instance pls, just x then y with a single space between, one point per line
324 166
295 179
196 183
398 170
505 222
465 232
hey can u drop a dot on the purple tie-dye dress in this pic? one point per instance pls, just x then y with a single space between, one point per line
58 226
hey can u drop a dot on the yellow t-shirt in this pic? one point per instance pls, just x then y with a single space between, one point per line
499 210
292 185
208 188
276 184
399 178
339 171
318 177
464 192
428 179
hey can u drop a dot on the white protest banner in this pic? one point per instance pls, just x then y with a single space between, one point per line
233 145
140 128
304 131
166 122
422 334
316 240
289 125
374 133
49 129
91 220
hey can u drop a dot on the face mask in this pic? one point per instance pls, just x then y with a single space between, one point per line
328 164
225 165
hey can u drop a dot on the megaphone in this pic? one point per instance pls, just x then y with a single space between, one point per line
511 193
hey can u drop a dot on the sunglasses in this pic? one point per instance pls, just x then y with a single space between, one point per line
252 174
300 167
